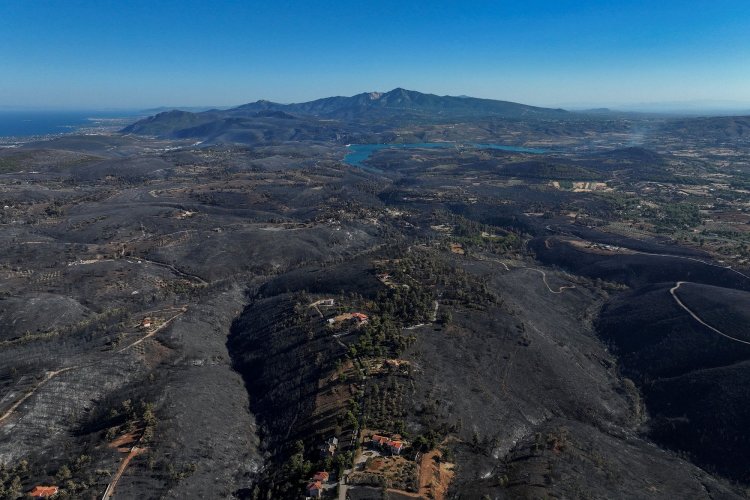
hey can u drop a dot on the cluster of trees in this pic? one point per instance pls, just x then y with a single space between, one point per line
11 479
75 478
418 278
670 217
385 406
380 337
475 235
614 206
131 416
288 480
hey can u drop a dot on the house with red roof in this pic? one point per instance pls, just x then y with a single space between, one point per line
44 491
315 489
378 440
320 476
361 317
394 447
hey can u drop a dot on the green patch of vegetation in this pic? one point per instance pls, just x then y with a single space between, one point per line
384 405
129 417
11 479
475 235
670 217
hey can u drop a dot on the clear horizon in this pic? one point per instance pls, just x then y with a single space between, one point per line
666 107
109 56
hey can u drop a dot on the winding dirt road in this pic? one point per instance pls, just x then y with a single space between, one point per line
673 292
49 376
544 278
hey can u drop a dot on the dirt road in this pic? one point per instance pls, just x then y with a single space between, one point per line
134 451
544 278
673 292
49 376
182 310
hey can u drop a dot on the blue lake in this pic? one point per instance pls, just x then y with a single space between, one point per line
358 153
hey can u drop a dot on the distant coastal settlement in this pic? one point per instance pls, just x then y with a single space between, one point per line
19 127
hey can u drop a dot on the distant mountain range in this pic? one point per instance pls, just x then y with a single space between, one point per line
403 102
366 117
306 119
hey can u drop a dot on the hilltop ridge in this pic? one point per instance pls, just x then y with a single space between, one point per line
401 100
400 104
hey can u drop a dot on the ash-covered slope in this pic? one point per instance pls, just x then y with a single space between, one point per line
694 379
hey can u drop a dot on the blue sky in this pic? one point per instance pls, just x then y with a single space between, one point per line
126 54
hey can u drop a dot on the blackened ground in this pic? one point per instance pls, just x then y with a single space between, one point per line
694 380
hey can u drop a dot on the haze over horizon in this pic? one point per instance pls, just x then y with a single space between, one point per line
96 55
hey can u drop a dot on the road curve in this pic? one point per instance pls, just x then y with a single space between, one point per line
544 279
673 291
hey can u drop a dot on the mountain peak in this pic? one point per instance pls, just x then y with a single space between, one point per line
396 104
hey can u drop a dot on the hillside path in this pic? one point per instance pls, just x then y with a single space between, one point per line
673 292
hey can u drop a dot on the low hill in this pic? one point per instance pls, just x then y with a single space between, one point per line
716 130
262 127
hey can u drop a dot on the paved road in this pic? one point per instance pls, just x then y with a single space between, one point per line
343 486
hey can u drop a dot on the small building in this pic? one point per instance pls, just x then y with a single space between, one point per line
362 318
44 491
146 323
378 440
328 449
315 489
321 477
395 447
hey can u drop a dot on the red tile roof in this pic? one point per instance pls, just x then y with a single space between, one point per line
320 476
315 485
44 491
376 438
